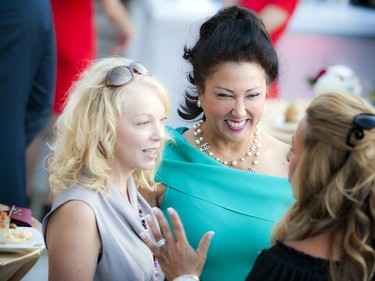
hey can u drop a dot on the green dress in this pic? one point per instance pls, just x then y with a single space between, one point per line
240 207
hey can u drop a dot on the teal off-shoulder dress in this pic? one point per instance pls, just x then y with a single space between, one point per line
240 207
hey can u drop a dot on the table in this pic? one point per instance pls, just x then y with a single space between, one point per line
14 266
275 108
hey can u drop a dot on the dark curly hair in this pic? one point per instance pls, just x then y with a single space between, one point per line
233 34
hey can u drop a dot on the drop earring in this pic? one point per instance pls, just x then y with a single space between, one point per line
199 103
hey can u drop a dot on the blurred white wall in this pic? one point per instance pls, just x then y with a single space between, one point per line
163 27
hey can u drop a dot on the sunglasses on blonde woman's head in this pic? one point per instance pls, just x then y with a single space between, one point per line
122 75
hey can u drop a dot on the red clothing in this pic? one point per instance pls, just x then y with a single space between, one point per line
258 5
76 43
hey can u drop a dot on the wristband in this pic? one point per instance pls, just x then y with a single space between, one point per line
187 277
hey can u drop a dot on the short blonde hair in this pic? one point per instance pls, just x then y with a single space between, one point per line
335 183
85 132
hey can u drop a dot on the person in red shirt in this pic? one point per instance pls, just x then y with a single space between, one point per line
76 38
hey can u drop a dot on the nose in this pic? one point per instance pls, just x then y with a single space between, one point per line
239 109
158 132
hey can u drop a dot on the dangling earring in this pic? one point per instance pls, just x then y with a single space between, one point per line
199 103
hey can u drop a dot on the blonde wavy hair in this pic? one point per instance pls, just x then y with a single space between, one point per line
335 186
85 132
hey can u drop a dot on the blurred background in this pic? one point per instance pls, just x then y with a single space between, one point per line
320 34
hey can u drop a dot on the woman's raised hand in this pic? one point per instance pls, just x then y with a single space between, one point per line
174 253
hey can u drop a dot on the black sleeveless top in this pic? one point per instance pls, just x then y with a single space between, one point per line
283 263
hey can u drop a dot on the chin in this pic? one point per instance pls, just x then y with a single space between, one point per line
147 166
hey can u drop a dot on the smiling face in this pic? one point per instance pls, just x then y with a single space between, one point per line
233 100
140 130
296 150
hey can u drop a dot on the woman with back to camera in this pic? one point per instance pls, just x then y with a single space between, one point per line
224 174
108 140
328 234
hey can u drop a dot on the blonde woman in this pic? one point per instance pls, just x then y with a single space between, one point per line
109 139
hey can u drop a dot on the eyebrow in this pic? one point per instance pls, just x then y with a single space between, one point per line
223 88
231 91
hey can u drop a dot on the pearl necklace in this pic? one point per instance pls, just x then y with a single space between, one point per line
204 146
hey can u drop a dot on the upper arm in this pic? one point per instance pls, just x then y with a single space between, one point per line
73 242
273 17
118 15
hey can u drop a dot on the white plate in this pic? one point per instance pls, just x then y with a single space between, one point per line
34 242
279 123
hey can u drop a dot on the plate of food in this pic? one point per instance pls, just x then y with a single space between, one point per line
21 239
281 124
288 121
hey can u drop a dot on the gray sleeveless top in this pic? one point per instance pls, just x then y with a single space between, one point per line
124 256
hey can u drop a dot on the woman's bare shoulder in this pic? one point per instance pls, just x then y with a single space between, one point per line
274 145
273 156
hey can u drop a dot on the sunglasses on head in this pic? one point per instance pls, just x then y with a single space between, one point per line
363 121
122 75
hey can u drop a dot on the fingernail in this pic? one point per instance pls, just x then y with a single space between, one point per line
143 235
171 211
148 218
156 210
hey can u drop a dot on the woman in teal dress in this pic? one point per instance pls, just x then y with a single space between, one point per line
224 174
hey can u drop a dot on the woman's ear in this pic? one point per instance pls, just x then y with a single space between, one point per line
199 91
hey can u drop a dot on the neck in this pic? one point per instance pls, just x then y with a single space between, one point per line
250 155
121 181
317 246
120 174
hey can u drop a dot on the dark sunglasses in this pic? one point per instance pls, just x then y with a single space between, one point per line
363 121
122 75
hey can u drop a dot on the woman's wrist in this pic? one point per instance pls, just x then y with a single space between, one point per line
187 277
